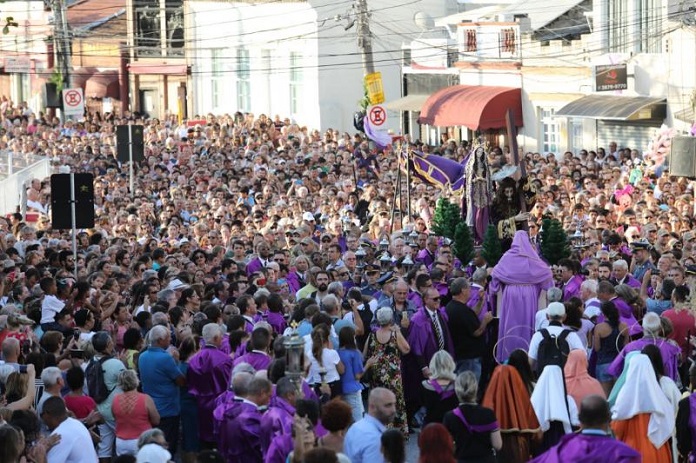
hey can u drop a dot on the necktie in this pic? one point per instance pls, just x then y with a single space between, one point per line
438 333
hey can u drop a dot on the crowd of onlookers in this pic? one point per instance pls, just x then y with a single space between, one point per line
167 337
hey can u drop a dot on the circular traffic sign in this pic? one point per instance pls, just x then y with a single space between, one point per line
73 98
377 116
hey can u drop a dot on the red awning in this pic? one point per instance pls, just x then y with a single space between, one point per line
103 85
477 107
162 69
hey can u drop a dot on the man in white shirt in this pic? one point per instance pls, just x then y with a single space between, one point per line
588 294
556 314
75 444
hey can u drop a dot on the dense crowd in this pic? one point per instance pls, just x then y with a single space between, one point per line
168 337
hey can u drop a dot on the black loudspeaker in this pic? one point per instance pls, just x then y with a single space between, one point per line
682 157
136 138
53 96
61 213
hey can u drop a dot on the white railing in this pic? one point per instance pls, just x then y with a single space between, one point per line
16 171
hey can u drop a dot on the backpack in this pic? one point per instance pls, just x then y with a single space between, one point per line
94 375
553 350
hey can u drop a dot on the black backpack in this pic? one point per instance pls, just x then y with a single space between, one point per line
553 350
94 375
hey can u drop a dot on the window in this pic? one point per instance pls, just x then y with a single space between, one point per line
152 20
576 132
550 131
470 41
216 76
243 80
507 41
267 72
295 81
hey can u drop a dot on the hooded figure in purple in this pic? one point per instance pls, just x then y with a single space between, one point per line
521 276
258 356
278 419
594 443
209 376
239 440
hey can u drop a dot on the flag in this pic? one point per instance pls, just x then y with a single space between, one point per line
437 170
381 139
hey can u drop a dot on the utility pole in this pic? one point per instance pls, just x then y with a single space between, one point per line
365 37
62 42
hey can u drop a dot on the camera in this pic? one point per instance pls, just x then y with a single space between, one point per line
22 369
76 334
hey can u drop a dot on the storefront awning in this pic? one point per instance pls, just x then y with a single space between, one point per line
616 108
407 103
103 85
685 115
474 106
160 69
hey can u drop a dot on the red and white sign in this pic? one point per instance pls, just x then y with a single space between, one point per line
73 102
377 115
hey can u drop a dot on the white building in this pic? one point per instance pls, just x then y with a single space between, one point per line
295 58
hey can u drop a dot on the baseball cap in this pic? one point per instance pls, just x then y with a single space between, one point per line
308 216
556 309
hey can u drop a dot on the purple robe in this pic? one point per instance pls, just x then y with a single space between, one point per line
295 281
589 449
572 288
254 266
415 299
258 360
426 257
222 403
521 275
626 316
239 440
277 321
670 356
280 448
442 288
422 338
474 296
208 376
276 421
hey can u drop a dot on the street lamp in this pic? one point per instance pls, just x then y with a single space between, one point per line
407 264
385 261
383 245
360 256
294 357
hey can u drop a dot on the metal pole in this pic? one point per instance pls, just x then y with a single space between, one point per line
365 37
408 183
130 160
74 221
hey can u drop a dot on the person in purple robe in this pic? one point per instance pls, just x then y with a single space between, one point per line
669 350
594 443
478 292
427 255
521 276
239 440
429 331
607 292
263 257
570 279
258 356
278 419
282 444
274 315
248 309
209 376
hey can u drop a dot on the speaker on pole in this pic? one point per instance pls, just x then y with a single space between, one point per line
53 96
682 157
61 213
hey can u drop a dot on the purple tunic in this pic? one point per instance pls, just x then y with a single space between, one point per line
474 296
239 440
521 275
277 321
442 288
295 282
422 338
275 422
670 356
572 288
626 316
415 299
208 376
253 266
280 448
258 360
426 257
589 449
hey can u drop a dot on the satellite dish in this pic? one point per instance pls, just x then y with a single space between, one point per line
424 21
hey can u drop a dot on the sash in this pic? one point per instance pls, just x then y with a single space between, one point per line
443 394
472 428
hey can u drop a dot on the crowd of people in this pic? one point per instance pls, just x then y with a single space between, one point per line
168 336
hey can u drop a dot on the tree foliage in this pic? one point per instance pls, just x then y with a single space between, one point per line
463 246
492 249
554 241
446 218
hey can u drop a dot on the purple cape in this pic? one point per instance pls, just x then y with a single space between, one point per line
239 439
275 422
280 448
258 360
572 288
521 275
422 339
254 265
277 321
670 356
589 449
208 376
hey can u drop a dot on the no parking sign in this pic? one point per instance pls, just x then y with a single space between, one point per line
73 102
